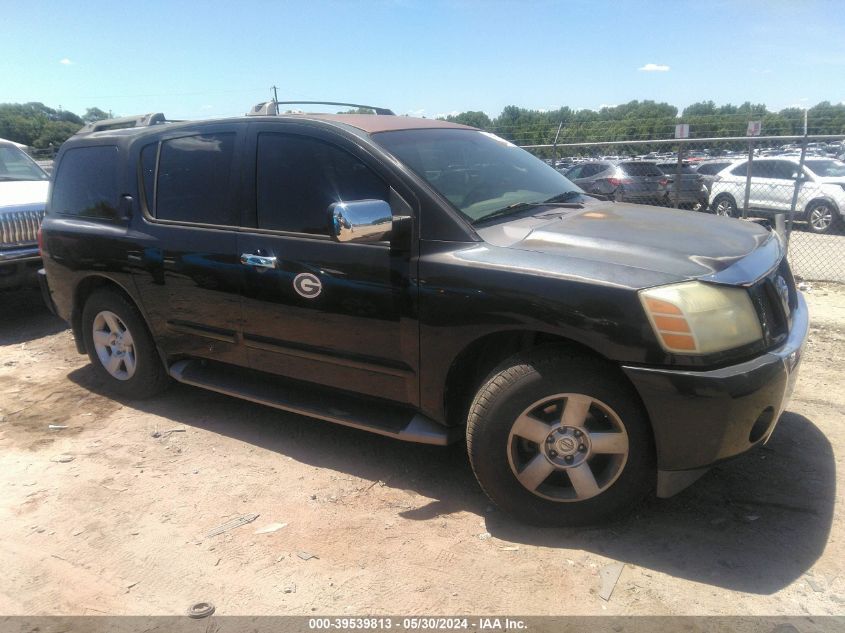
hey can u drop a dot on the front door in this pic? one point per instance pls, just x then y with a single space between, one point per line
338 314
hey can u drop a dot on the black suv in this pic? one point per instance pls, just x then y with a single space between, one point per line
426 281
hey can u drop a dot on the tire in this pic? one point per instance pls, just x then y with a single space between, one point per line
121 334
551 396
725 206
821 217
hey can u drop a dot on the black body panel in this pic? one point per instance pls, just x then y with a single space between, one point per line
393 319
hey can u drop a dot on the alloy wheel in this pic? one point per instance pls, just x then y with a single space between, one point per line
567 447
114 345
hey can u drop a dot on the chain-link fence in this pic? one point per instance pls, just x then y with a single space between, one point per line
794 183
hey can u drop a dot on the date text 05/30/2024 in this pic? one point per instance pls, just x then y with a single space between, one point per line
418 623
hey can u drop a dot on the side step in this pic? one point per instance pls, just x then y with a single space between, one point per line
314 401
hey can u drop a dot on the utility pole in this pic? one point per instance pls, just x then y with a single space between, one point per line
805 121
275 100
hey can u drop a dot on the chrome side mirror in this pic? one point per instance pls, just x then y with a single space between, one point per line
361 221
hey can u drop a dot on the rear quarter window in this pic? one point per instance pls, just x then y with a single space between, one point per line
86 183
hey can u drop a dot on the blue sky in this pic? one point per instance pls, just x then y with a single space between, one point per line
423 57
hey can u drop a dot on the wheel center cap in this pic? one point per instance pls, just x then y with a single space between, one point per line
566 445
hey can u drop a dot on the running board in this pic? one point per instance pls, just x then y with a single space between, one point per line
314 401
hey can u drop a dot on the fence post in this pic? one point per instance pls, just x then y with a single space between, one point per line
678 175
748 179
554 146
799 179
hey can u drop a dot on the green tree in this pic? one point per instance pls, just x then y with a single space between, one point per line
94 114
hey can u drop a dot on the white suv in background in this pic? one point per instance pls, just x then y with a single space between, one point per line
821 190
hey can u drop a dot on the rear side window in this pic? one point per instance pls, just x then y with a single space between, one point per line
194 175
640 169
779 169
740 170
297 178
710 169
87 183
592 169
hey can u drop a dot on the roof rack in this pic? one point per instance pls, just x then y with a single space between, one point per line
136 120
272 107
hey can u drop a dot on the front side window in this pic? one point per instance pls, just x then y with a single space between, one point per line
479 173
298 178
826 168
194 180
16 165
87 183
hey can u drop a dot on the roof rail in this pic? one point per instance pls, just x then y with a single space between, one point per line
136 120
272 107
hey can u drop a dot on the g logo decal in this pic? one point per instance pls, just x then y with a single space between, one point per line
307 285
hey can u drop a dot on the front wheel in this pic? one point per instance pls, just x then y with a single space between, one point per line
725 206
559 438
821 217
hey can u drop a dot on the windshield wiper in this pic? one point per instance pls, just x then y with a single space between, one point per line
566 196
561 199
511 208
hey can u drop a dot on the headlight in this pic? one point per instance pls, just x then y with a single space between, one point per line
698 318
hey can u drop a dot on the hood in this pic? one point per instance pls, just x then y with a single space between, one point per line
831 180
676 244
16 193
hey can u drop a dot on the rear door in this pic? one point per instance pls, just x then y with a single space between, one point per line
767 189
185 258
337 314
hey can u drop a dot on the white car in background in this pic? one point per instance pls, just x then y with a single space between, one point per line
23 194
821 190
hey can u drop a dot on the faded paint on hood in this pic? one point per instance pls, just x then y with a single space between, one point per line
676 244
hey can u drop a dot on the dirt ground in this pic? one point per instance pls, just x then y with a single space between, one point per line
393 528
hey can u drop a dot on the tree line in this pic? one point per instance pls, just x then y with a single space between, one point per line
36 125
645 120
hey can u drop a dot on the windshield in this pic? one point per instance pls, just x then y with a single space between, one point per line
826 168
16 165
479 173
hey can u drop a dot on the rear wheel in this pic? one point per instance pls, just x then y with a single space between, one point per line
558 438
121 349
725 206
821 216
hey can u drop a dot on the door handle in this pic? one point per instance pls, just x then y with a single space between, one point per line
259 261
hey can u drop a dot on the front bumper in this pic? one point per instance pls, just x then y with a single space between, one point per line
702 417
19 267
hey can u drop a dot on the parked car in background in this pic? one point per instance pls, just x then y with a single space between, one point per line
623 181
821 190
707 171
23 195
691 192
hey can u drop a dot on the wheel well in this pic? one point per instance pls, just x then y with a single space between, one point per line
84 290
475 362
825 200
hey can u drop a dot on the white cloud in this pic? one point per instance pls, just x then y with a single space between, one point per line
417 113
443 115
654 68
65 62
